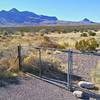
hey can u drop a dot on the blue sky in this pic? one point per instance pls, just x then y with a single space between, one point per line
72 10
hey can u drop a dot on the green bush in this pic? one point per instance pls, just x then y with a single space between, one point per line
84 35
92 33
89 45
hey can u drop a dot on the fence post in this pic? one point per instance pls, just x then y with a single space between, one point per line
19 57
69 70
40 73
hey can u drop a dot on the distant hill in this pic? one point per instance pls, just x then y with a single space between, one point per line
15 17
87 21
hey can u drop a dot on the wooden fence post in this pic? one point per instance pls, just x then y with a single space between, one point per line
19 57
69 70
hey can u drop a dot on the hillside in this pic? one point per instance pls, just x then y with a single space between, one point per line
15 17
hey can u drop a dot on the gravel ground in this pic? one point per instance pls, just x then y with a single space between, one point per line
85 65
34 89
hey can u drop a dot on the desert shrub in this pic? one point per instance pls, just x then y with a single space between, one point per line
43 31
46 38
76 30
63 30
5 33
3 67
6 75
84 35
81 31
63 45
22 34
81 45
52 29
95 30
92 33
46 42
89 45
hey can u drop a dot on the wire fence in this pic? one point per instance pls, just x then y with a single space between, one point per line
45 62
84 64
62 65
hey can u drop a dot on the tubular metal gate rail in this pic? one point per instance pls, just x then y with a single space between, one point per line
61 65
68 71
70 58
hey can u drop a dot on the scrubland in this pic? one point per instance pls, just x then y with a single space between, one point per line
48 37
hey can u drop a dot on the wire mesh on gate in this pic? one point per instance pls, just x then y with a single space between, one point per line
30 58
45 62
84 65
67 66
54 64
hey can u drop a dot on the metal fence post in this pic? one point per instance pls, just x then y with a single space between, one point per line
40 73
69 70
19 57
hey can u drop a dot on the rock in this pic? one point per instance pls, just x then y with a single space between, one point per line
75 67
78 94
15 75
87 85
57 52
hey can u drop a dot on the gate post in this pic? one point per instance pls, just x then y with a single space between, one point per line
69 70
19 57
40 73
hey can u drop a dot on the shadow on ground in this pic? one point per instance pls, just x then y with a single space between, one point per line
8 78
49 70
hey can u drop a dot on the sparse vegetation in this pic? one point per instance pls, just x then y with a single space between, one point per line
43 31
7 77
84 35
59 29
89 45
63 45
91 33
63 37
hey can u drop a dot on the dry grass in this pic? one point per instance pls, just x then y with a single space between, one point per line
53 40
96 75
70 38
49 61
64 40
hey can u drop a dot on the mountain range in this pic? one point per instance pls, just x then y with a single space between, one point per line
15 17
